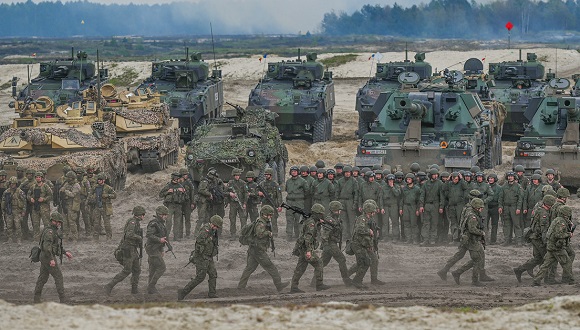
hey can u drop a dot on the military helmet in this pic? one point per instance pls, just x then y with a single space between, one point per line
399 174
161 210
565 211
56 216
216 220
339 165
435 166
364 170
454 174
369 207
433 171
479 174
320 164
269 171
330 171
101 176
477 203
390 177
317 208
69 175
492 175
474 193
356 168
378 172
80 170
65 169
550 171
313 169
266 210
236 171
563 193
475 169
13 179
386 172
138 210
20 168
519 168
347 168
422 175
467 174
3 172
549 200
510 173
334 206
303 168
90 169
536 177
250 174
183 171
40 174
546 188
415 167
444 174
294 168
538 171
212 172
370 174
320 170
175 175
409 176
31 171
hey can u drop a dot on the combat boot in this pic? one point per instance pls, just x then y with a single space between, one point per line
359 285
442 274
37 299
108 288
347 281
212 295
478 283
282 285
376 281
295 289
322 287
518 273
181 293
484 278
152 290
456 277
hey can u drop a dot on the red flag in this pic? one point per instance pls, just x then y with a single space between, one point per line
33 55
509 26
483 59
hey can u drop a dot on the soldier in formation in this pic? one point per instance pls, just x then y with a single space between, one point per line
347 191
296 188
13 209
70 194
510 208
237 196
39 196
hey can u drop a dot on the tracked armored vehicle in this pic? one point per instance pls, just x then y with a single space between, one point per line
192 94
516 84
437 124
302 94
384 82
244 138
46 137
551 140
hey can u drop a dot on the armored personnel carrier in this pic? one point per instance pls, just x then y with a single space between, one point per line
302 94
551 140
437 124
192 94
144 126
516 84
244 138
46 137
384 82
61 80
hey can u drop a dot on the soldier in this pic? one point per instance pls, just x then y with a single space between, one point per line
313 172
331 176
431 204
443 228
203 198
455 192
174 195
510 206
92 178
271 194
25 183
188 204
347 194
551 179
409 209
391 195
539 228
532 195
369 189
305 250
362 245
492 220
467 176
331 240
522 180
156 241
13 209
558 237
296 189
486 194
339 169
217 189
206 247
561 198
471 239
323 191
237 196
56 191
71 195
83 211
131 247
253 197
100 201
20 170
39 196
355 172
257 251
309 180
51 248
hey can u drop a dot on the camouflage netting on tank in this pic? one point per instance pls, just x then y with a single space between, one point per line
163 141
156 115
37 136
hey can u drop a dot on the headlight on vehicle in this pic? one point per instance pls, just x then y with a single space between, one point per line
251 153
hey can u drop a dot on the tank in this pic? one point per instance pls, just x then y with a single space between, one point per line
302 94
144 126
436 124
384 82
244 138
516 84
575 91
47 137
192 94
61 80
551 138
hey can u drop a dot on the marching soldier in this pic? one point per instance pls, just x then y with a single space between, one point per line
362 245
39 196
296 189
13 209
174 196
271 194
100 201
156 241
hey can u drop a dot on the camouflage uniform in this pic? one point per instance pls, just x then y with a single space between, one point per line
253 197
486 195
510 201
156 231
218 191
130 245
203 199
13 208
40 209
92 179
188 204
347 191
25 185
532 195
83 211
432 200
174 195
274 191
409 207
471 238
492 221
296 188
100 202
206 247
71 197
240 189
362 245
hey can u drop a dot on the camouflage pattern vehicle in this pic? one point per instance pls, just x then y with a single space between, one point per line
144 127
516 84
61 80
192 94
437 124
302 94
46 137
575 91
551 140
245 139
384 82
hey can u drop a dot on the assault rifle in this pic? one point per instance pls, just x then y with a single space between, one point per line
296 209
216 244
56 193
60 245
8 199
217 194
267 196
169 248
237 198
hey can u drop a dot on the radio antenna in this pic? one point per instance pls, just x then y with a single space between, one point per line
212 46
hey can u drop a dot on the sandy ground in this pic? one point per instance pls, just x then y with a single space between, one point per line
410 271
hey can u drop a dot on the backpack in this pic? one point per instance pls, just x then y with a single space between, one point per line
36 250
247 236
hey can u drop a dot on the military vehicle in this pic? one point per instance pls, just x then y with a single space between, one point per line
302 94
515 84
48 137
575 91
144 126
437 124
551 138
384 82
61 80
244 138
192 94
